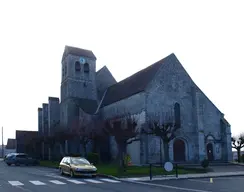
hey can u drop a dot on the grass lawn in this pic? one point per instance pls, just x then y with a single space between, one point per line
112 169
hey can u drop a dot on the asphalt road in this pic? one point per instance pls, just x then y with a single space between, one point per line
220 184
39 179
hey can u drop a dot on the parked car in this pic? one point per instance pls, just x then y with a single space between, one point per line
77 166
20 159
7 156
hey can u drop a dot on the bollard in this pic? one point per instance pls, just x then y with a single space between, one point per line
150 171
176 170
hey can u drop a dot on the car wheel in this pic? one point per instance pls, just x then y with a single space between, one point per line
61 171
72 173
94 176
8 164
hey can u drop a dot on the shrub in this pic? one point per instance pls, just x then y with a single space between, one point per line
205 163
127 159
93 158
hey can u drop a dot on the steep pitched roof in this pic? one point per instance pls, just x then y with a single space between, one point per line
78 52
131 85
11 144
104 79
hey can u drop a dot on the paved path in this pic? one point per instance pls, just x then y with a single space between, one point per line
186 176
221 184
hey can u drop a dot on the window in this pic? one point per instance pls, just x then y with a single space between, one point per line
86 68
79 161
21 156
177 114
77 66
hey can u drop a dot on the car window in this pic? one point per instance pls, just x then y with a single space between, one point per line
68 160
79 161
21 156
64 160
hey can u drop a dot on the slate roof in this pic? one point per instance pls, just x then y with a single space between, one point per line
104 79
11 144
132 85
78 52
87 105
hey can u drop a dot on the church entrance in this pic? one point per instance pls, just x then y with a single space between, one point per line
210 151
179 150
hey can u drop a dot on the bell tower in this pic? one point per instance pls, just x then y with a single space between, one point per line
78 80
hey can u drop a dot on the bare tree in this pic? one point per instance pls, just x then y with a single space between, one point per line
83 131
238 144
165 130
125 132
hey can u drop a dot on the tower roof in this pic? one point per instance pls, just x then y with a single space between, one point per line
78 52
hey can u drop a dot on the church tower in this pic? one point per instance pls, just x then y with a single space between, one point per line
78 81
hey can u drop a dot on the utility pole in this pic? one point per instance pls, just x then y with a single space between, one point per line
2 144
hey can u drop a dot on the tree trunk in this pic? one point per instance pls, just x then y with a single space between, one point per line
239 154
122 151
166 151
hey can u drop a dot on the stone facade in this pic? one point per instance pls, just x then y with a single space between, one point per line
45 128
40 130
53 114
151 94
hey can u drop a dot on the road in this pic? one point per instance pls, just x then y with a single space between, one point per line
220 184
39 179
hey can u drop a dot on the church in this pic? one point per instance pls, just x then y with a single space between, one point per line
86 92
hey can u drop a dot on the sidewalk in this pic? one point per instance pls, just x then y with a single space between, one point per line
186 176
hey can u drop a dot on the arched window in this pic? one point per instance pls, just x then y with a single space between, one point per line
86 68
77 66
177 114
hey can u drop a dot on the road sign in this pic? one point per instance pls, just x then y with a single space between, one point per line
168 166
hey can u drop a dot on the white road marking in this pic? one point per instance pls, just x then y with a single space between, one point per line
15 183
171 187
37 183
57 182
200 181
110 180
92 181
76 181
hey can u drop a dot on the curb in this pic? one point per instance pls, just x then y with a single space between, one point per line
182 178
238 164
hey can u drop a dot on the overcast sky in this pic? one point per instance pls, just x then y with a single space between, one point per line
206 36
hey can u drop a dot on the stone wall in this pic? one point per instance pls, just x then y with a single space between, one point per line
77 83
199 116
135 106
40 129
53 114
173 85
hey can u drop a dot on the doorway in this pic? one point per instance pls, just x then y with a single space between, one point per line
179 150
210 152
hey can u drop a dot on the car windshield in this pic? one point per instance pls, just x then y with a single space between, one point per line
79 161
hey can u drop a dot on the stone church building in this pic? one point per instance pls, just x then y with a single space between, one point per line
153 91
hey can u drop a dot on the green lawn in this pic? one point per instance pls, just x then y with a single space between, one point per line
112 169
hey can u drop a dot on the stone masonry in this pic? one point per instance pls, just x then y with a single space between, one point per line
153 92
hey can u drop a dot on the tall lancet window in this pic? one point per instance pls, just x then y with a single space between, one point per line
177 115
77 66
86 68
